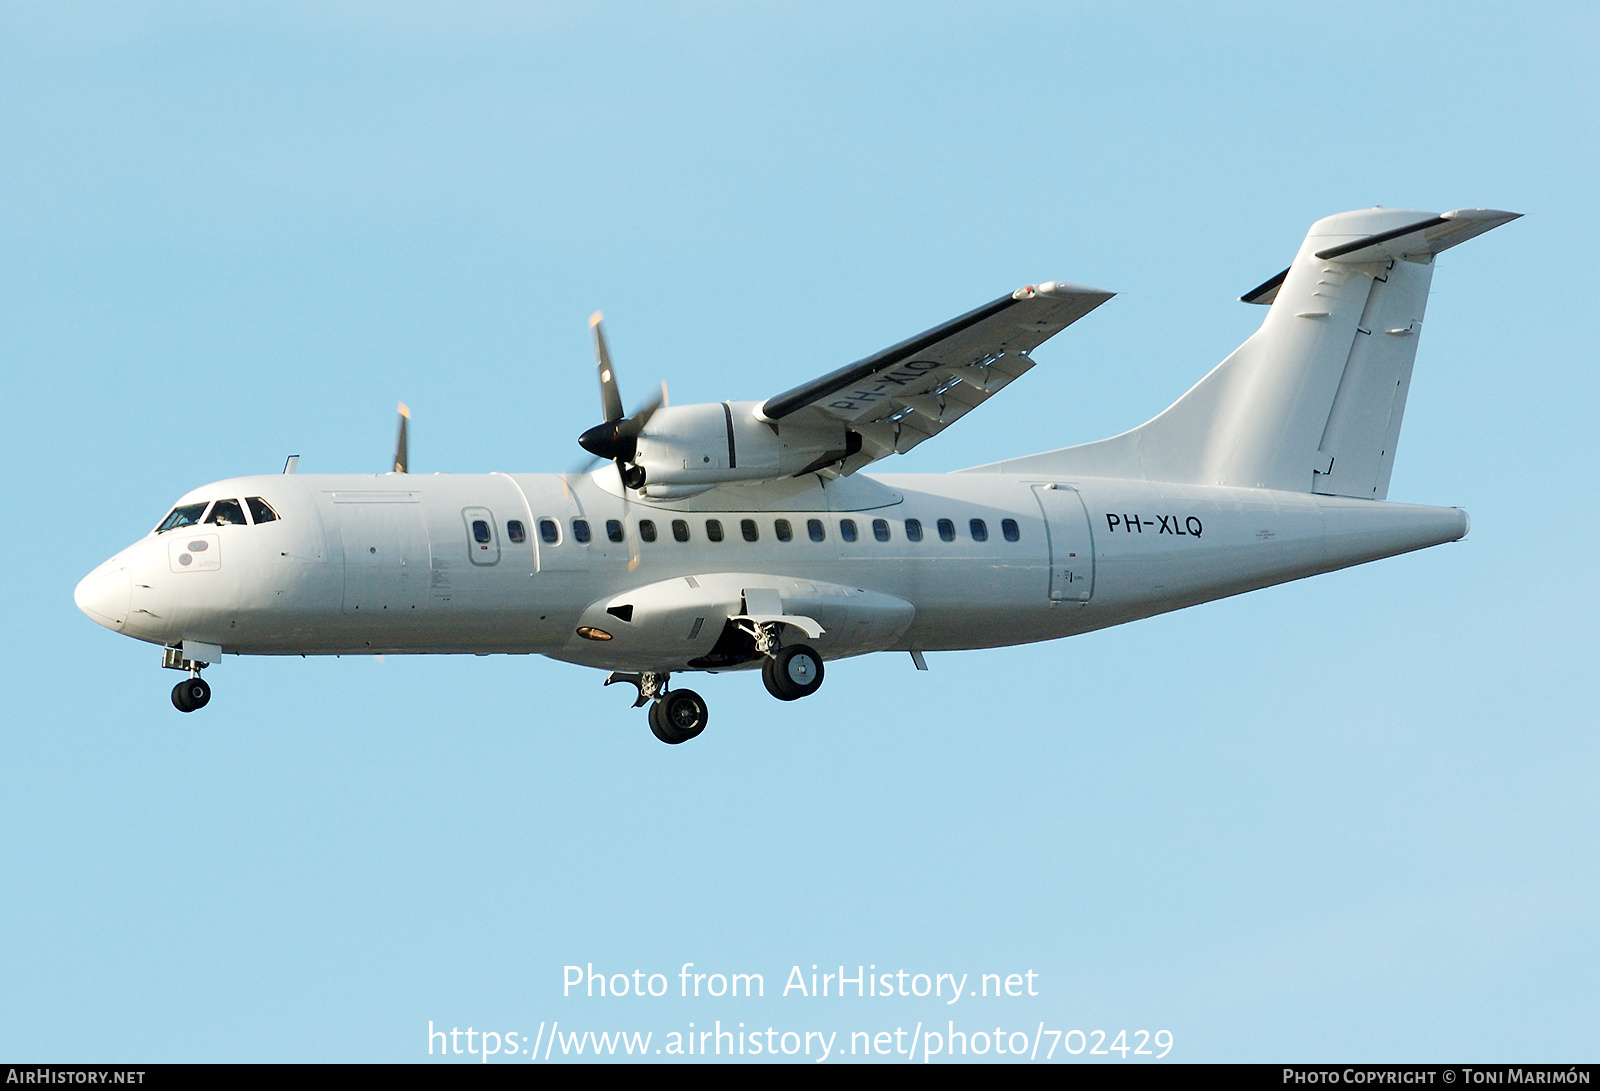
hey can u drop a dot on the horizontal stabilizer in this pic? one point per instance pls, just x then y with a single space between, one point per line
1420 240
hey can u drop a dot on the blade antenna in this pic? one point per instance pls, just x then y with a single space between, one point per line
402 457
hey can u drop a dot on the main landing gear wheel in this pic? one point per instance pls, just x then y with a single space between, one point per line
795 672
191 694
678 716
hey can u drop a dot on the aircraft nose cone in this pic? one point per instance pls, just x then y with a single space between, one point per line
106 595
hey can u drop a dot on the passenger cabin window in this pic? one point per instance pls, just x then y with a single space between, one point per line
814 528
516 533
913 530
580 530
847 529
260 510
480 531
880 529
226 513
185 516
947 531
614 529
549 531
714 529
1008 527
979 530
783 530
680 530
647 530
747 527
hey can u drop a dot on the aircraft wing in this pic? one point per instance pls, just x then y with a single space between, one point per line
897 398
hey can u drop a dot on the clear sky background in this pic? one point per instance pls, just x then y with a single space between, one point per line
1353 817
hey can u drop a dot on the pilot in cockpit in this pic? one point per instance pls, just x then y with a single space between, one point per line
227 513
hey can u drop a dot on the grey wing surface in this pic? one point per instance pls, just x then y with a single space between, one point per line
899 397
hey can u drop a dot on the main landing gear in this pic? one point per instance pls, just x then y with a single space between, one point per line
679 715
675 717
792 672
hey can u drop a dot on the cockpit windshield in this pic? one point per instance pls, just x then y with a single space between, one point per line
184 515
226 513
260 510
222 513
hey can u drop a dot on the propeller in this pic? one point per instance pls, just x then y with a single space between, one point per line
617 437
401 455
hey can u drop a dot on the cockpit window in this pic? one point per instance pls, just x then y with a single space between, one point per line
226 513
185 515
260 510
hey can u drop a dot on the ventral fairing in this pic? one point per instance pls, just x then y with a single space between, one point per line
747 535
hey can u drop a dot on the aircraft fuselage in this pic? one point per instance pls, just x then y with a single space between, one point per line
401 563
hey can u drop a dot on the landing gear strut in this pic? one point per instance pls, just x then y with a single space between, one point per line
792 672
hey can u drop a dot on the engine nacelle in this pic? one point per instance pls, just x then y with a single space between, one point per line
686 448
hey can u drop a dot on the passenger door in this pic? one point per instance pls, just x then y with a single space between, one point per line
1071 542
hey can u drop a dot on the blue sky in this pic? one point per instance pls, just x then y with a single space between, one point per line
1352 817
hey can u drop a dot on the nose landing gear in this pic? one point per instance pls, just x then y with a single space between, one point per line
191 694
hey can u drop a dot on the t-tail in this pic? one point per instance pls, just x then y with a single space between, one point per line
1313 401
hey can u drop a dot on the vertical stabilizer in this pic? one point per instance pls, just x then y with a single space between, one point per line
1312 402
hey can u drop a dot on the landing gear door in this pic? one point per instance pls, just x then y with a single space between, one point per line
1071 545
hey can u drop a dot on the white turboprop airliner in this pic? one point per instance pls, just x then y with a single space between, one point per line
739 535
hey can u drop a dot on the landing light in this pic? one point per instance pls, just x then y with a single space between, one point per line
589 632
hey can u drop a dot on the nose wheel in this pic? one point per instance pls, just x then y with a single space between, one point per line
678 716
793 672
191 694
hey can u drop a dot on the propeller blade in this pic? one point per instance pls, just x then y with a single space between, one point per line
401 455
642 415
610 398
617 437
584 468
628 530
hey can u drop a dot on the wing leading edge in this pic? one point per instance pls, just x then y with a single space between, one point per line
897 398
